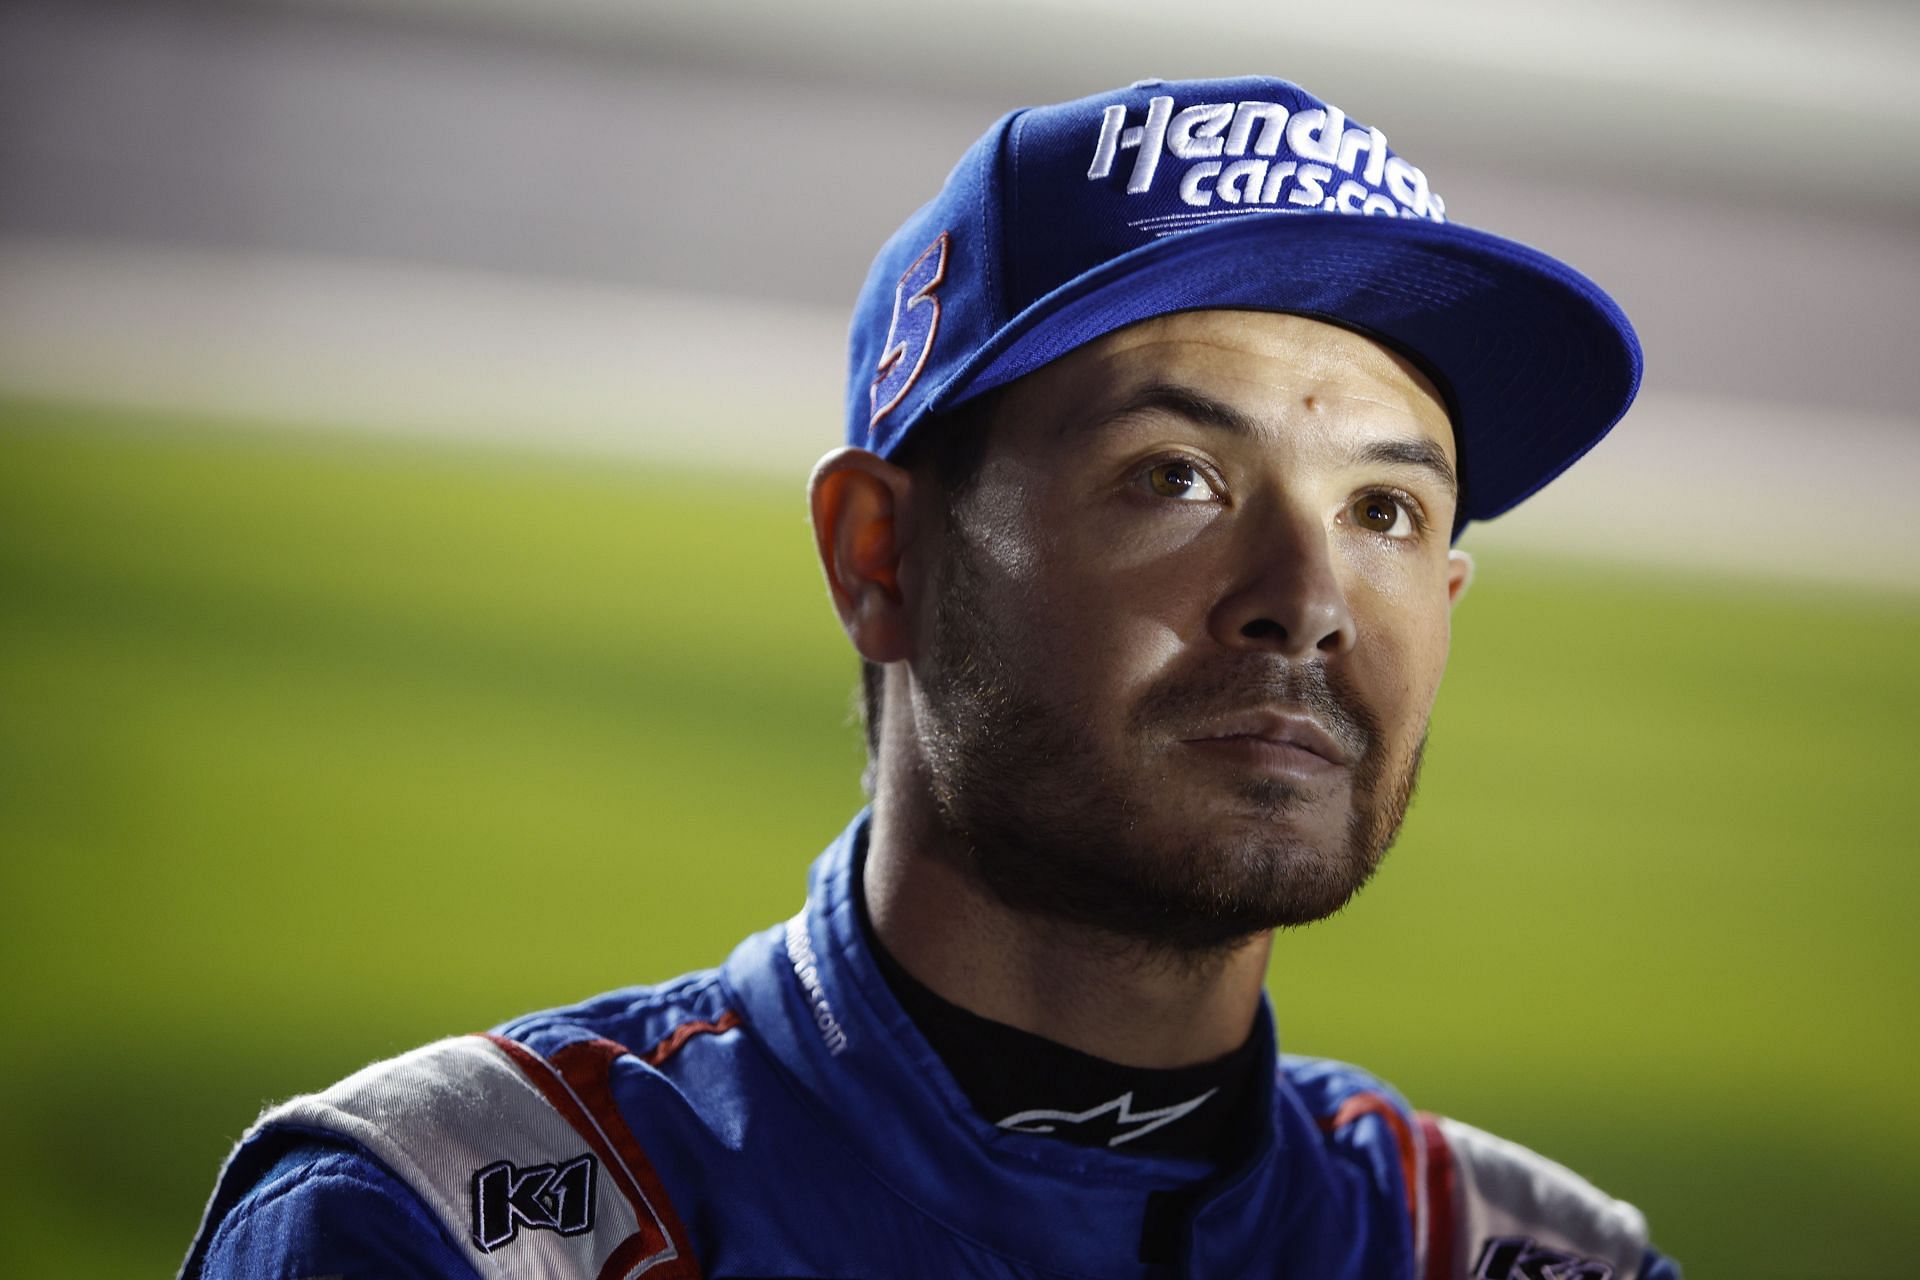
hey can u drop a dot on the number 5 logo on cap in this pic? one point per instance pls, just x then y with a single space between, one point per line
916 317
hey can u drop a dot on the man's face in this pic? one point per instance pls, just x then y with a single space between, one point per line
1185 632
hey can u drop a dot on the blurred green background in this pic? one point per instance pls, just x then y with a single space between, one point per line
361 682
315 748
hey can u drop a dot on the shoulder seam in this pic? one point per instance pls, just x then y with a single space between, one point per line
688 989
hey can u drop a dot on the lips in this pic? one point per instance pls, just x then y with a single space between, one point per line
1283 731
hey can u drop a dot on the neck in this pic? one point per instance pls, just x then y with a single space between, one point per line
1111 997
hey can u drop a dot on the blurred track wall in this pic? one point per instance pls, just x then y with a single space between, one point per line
615 227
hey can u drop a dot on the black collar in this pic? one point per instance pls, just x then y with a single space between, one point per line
1029 1083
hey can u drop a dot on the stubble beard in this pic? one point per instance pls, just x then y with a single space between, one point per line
1052 829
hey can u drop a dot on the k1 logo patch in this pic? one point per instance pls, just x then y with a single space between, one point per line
542 1197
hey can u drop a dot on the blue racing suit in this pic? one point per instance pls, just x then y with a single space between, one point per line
781 1116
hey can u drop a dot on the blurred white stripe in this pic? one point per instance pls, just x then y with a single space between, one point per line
1736 486
1794 95
1705 482
422 351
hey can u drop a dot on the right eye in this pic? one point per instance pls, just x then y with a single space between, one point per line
1181 481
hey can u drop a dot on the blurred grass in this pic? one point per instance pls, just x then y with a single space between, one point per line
312 749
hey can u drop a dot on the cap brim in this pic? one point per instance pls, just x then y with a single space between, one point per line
1539 363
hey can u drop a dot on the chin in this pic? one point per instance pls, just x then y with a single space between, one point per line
1190 883
1271 875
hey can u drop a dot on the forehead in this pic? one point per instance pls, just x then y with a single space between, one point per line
1268 365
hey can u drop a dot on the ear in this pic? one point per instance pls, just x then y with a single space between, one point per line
1459 575
860 503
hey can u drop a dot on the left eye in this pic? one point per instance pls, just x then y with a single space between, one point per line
1382 513
1179 480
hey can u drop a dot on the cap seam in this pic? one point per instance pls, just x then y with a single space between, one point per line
1001 311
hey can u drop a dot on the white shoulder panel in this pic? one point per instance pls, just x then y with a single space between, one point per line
1511 1201
524 1191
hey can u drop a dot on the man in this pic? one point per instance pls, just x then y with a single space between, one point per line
1162 419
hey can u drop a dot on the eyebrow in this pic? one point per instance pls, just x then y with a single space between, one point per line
1181 402
1424 454
1203 410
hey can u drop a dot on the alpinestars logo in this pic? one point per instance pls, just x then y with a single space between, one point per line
1519 1258
1117 1114
544 1197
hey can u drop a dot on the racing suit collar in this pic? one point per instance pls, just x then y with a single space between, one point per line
813 993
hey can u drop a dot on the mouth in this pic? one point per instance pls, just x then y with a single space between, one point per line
1285 744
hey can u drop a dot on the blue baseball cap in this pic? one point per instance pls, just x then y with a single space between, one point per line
1065 223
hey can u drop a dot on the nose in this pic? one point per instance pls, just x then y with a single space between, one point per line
1288 597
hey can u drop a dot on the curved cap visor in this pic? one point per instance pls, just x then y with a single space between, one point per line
1537 360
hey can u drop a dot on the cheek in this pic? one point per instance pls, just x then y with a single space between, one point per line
1403 640
1098 641
1104 618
